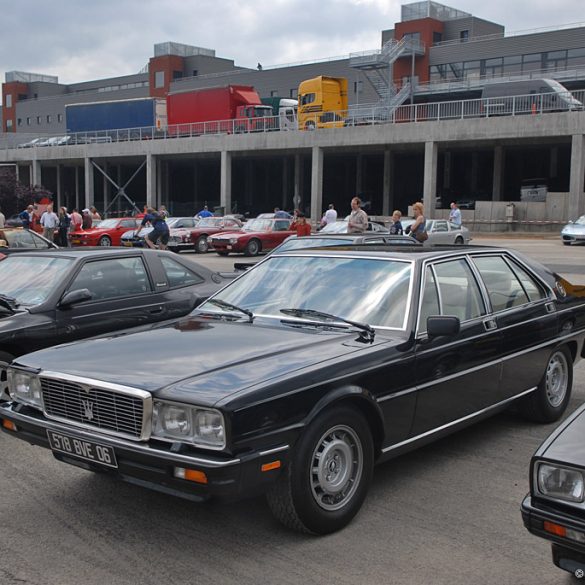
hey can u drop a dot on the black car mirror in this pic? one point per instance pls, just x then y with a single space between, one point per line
75 296
443 325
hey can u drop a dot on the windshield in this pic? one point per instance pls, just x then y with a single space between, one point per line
581 220
257 225
337 227
108 223
209 222
299 243
374 291
30 280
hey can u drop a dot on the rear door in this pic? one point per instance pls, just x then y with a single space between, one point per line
455 375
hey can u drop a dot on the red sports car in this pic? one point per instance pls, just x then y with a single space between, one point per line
107 233
209 226
257 235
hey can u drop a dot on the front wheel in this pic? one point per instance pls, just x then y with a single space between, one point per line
328 476
202 245
548 402
459 241
253 248
104 241
5 359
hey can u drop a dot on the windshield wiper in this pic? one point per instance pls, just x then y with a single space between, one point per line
7 302
226 305
368 329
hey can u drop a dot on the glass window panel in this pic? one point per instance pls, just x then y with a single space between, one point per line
430 300
179 275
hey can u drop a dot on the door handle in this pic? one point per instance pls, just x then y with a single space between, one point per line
490 324
156 310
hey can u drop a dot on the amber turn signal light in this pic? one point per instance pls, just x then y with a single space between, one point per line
191 475
270 466
7 424
555 529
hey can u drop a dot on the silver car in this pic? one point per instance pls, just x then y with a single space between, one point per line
442 231
574 231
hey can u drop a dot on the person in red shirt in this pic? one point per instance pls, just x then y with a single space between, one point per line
301 226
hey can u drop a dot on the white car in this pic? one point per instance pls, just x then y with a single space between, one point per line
442 231
574 232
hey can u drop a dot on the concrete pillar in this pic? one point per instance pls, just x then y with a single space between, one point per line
430 178
150 180
88 177
106 187
577 180
285 201
36 172
17 169
498 174
387 190
297 195
77 188
316 183
167 184
60 201
195 185
474 173
159 192
359 177
225 190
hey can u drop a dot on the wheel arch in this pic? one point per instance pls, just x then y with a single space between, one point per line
356 397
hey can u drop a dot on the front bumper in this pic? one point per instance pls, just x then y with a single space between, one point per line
225 246
568 554
152 464
573 237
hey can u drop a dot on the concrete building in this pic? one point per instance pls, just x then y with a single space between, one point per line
434 53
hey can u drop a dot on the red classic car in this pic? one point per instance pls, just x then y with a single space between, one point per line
107 233
209 226
260 234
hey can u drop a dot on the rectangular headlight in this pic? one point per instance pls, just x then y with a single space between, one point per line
560 482
24 387
203 427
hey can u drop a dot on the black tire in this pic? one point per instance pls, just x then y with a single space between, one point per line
104 241
5 359
175 250
459 241
253 248
549 401
223 253
202 245
328 476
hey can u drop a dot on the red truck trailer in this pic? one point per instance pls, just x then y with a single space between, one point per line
232 108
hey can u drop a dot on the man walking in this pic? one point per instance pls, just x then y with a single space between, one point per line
49 221
358 218
160 229
455 215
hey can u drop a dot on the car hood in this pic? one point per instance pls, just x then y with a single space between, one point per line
200 360
574 228
566 445
238 234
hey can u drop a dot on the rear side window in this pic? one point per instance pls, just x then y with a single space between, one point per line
179 275
430 299
532 288
504 288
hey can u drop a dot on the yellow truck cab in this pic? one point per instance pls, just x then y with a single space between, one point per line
322 103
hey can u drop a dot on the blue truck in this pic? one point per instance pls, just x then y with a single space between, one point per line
117 120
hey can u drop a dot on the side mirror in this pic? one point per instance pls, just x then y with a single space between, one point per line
443 325
75 296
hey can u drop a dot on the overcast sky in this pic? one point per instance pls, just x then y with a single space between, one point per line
81 40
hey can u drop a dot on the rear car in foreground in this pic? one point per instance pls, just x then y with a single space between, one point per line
555 507
305 371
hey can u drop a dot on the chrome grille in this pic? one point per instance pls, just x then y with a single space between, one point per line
113 412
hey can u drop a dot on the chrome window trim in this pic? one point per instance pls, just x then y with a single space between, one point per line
88 383
458 421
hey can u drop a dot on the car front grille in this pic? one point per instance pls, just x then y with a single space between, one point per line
112 412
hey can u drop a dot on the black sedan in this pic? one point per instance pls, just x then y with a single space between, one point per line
555 507
62 295
19 240
301 374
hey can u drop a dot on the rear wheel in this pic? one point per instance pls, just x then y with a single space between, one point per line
548 402
328 476
104 241
459 241
202 245
253 248
5 359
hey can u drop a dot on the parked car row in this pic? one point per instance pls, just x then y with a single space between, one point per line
310 367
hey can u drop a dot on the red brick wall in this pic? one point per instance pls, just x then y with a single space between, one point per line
167 63
14 88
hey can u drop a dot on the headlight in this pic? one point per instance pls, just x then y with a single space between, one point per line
233 240
190 424
560 482
25 387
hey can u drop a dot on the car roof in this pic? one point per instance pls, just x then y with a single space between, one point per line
91 251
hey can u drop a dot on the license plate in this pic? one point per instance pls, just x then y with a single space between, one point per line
76 241
229 247
127 243
93 452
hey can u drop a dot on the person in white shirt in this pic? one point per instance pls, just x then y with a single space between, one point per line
455 215
2 219
49 221
330 215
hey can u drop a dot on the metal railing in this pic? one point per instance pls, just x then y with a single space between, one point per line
364 115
